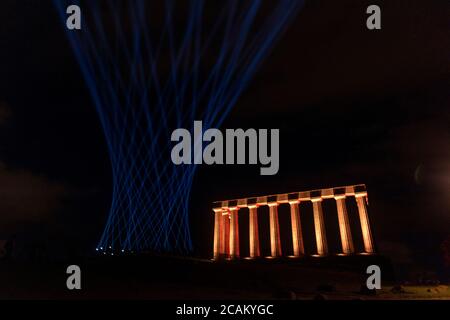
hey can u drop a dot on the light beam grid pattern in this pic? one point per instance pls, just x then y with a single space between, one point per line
155 66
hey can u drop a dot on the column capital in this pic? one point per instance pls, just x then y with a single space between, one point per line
339 197
294 201
253 206
316 199
361 194
272 204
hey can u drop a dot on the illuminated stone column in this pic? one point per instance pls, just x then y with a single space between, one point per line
297 236
319 227
217 233
275 243
365 223
344 226
254 235
225 235
234 233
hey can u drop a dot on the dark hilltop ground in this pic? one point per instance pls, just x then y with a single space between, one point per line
162 277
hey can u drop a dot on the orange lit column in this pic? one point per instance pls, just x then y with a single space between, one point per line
275 243
344 226
234 233
225 235
254 235
217 232
365 223
297 236
319 227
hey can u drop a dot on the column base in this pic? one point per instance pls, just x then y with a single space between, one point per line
366 254
296 257
221 257
253 258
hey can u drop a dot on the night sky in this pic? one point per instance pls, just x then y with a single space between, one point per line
352 105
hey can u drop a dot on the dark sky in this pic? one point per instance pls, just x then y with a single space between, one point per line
352 105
